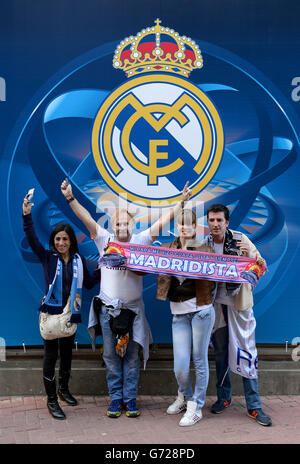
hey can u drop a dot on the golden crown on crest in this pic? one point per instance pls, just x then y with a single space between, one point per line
159 49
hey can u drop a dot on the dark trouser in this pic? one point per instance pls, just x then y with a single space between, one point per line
220 343
51 348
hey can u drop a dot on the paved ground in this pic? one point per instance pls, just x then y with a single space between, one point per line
26 420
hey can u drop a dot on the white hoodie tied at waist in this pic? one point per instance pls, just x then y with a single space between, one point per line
140 331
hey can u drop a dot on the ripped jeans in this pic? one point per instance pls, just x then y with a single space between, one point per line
192 331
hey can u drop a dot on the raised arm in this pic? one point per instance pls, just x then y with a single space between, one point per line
169 214
78 209
31 236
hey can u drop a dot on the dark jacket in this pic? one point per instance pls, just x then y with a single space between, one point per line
48 260
203 288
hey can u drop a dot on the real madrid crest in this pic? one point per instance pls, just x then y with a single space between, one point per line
157 130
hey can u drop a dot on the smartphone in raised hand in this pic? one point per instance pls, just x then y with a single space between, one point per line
237 236
30 194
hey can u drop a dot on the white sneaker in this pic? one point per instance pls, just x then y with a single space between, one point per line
178 406
191 416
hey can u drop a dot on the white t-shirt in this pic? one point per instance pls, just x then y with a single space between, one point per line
187 306
121 283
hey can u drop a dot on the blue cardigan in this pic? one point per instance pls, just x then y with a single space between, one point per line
48 260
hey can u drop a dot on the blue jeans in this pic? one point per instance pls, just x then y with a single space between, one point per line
192 331
122 374
220 343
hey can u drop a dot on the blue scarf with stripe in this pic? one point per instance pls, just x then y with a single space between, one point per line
53 301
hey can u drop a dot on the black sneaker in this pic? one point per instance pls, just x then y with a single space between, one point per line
260 416
219 406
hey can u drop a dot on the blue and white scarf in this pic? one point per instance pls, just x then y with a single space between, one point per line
53 301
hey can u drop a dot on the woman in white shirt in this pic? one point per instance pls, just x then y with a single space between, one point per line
193 320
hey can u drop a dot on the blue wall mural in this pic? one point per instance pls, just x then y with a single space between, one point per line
62 76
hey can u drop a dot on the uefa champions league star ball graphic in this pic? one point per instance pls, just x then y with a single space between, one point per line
185 110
